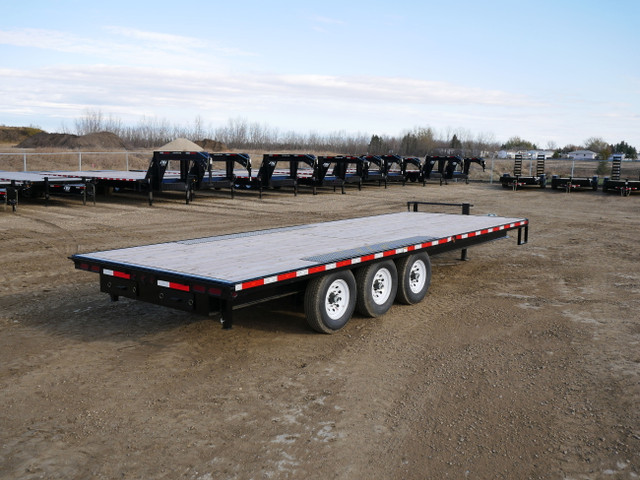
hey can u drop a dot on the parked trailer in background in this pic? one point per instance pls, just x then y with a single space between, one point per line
616 184
18 185
3 194
570 184
412 169
393 166
373 170
234 165
336 171
441 167
279 170
362 264
457 168
518 180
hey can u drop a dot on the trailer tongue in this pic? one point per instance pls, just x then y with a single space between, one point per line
362 263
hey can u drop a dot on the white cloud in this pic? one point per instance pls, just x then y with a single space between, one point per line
51 40
127 46
176 86
158 39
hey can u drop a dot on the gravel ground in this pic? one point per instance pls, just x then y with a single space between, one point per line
520 363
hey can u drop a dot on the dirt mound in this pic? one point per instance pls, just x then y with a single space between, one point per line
14 135
181 145
96 141
209 145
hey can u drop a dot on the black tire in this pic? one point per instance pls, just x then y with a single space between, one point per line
329 301
377 285
414 278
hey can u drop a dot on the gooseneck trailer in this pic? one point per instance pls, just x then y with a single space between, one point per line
362 264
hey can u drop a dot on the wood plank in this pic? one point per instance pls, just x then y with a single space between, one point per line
236 258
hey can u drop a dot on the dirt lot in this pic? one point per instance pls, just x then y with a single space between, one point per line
523 362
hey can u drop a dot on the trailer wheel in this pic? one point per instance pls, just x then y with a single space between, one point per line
377 286
329 301
414 278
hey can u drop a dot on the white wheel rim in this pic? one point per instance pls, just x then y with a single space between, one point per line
381 286
417 276
336 301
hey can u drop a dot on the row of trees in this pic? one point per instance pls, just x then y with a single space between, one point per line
239 133
595 144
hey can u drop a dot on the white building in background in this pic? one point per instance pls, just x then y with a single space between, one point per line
525 154
582 155
536 153
506 154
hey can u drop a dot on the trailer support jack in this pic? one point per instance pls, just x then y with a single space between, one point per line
226 316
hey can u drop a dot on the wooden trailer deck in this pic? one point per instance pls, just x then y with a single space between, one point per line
247 259
220 273
34 178
38 184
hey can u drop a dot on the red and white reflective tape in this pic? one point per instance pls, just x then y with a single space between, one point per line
342 263
115 273
366 258
329 266
173 285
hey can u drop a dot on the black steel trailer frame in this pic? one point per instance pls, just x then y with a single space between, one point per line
517 180
624 187
42 185
270 177
572 184
123 274
449 167
615 184
193 166
373 170
392 174
195 172
413 174
335 171
226 178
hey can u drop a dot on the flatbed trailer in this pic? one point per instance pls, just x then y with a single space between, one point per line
394 168
457 168
195 171
41 184
226 177
362 263
441 167
373 170
573 184
334 171
616 184
279 170
624 187
518 180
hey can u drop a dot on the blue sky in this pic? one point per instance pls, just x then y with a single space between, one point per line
549 71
